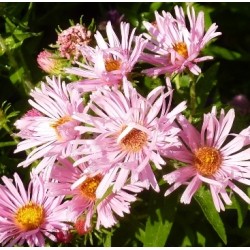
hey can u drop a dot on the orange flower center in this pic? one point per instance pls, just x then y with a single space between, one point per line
58 123
134 141
112 64
89 186
181 49
207 160
29 217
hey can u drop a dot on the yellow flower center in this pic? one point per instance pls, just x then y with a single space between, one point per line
181 49
207 160
58 123
29 217
134 140
112 64
89 186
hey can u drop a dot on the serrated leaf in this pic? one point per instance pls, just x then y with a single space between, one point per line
140 235
204 199
160 221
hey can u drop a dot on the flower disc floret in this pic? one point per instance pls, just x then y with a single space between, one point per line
207 160
29 217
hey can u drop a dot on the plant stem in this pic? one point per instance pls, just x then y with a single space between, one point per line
10 132
192 98
7 144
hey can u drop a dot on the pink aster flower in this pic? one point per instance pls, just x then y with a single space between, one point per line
129 132
49 127
69 40
49 63
29 216
82 188
174 45
213 158
110 60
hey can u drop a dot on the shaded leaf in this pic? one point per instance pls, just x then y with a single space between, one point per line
204 199
224 53
206 83
241 208
160 221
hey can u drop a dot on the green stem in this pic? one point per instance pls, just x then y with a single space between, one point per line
7 144
192 94
10 132
27 82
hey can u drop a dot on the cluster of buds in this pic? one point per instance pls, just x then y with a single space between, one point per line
69 40
68 43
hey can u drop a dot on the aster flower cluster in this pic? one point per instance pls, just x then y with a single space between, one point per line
95 143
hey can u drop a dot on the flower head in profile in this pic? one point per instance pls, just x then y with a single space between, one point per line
69 40
129 132
175 45
213 157
48 62
29 216
85 204
110 60
48 127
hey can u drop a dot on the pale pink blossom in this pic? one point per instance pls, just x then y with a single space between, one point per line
29 216
49 63
175 45
129 132
110 60
70 39
213 157
84 203
49 128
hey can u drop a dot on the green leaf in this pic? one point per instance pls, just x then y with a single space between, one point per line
21 36
241 208
11 44
140 235
17 76
204 199
221 52
160 221
155 6
107 240
206 83
201 239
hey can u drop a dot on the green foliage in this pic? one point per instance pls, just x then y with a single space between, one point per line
204 199
155 220
160 221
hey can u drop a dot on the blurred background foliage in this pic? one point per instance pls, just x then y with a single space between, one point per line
28 28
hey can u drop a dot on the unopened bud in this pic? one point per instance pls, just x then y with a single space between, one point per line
64 236
81 227
49 63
